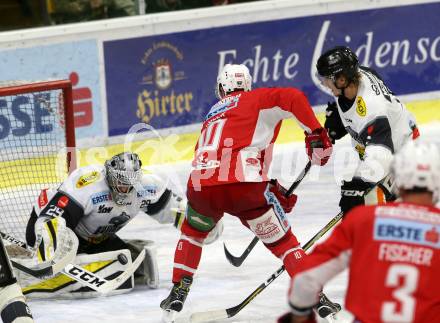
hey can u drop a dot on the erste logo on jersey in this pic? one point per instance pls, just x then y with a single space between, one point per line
361 107
87 179
399 230
101 197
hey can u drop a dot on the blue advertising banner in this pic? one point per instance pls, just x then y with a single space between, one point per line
169 80
77 61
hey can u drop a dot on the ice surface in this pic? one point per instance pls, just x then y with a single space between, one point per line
219 285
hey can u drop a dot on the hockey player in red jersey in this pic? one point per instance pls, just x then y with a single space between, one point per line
392 251
229 173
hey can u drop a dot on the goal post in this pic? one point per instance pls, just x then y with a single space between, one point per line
37 145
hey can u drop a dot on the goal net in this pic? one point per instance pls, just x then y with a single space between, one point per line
37 140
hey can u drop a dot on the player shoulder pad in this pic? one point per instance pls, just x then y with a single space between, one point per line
371 100
84 182
153 187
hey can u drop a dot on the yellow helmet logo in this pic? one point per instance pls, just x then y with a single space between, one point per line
361 107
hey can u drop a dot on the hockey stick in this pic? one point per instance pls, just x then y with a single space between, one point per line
46 269
237 261
207 316
76 272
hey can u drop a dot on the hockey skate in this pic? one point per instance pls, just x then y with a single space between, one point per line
174 302
326 307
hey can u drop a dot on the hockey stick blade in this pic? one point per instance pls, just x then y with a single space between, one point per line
38 273
208 316
237 261
230 312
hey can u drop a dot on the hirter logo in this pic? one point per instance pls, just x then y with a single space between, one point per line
42 199
63 201
432 235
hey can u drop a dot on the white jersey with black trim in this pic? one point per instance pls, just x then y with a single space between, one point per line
87 190
378 123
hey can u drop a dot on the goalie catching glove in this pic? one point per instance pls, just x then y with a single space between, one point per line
52 238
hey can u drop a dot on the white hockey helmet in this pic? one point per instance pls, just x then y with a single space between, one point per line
417 167
233 77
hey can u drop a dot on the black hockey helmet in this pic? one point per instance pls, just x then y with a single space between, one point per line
123 173
337 60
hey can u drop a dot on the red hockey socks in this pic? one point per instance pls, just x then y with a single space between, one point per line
186 258
188 252
288 250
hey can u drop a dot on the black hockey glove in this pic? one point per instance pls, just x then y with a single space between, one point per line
353 194
333 123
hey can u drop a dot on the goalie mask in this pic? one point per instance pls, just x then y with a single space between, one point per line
123 174
233 77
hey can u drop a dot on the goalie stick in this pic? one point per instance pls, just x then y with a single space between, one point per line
208 316
75 272
237 261
49 268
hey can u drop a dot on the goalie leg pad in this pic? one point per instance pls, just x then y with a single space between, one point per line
107 265
148 271
13 305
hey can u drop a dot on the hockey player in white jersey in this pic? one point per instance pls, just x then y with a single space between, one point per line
378 123
96 202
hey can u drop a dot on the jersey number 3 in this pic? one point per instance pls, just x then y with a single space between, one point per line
401 310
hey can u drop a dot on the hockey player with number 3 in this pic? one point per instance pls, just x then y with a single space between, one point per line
96 202
392 252
229 175
378 123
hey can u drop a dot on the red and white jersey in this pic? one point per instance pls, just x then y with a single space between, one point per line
394 258
238 133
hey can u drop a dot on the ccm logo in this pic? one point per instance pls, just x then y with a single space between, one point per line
81 274
352 193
